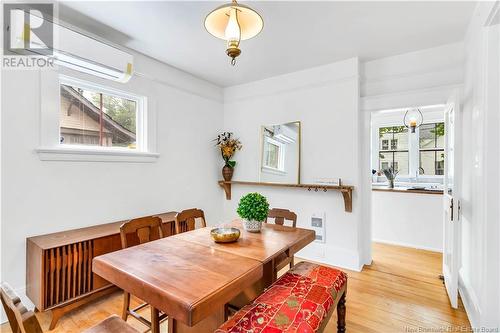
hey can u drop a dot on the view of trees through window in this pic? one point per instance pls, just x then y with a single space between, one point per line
393 148
82 122
431 143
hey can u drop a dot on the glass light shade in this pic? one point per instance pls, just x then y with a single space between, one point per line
413 118
233 32
220 20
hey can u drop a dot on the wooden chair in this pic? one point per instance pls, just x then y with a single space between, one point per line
145 229
281 215
186 220
23 321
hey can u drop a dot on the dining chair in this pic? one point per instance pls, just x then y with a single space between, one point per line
21 320
186 220
281 215
144 229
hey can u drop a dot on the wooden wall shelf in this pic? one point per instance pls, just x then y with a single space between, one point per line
346 190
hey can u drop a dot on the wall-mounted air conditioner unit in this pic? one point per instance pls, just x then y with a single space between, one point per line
76 50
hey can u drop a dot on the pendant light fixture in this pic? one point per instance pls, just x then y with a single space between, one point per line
413 119
234 22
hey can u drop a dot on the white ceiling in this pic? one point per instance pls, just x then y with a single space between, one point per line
296 35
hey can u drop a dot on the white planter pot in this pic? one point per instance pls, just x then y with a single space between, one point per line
252 225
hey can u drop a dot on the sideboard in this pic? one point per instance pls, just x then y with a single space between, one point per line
59 273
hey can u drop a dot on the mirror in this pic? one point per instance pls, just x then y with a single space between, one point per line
280 153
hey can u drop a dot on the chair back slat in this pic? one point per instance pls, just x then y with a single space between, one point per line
145 229
20 319
281 215
186 220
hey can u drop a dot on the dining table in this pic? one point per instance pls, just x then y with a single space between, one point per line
192 279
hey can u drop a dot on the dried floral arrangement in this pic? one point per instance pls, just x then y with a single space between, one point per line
228 146
390 174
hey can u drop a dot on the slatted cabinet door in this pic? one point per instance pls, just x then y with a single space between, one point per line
69 273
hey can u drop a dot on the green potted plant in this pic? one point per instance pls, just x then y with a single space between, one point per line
228 146
390 174
253 209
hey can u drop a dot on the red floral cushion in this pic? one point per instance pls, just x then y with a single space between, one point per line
298 302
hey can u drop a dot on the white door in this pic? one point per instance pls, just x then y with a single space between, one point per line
451 201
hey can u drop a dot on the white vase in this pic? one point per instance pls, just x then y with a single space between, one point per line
252 225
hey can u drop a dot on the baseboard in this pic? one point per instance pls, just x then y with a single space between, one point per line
21 292
470 301
331 255
413 246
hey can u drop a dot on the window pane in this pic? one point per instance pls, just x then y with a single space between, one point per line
401 163
398 160
393 138
271 155
432 162
81 121
401 137
432 136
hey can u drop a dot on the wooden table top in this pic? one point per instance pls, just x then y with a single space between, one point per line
263 246
184 279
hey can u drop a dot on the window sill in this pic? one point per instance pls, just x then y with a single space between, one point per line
79 154
273 171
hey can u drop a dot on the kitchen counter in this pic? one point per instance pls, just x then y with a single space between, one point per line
401 189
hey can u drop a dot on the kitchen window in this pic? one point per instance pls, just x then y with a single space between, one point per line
422 151
397 156
431 145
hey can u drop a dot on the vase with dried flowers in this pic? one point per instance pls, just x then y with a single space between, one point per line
390 174
228 146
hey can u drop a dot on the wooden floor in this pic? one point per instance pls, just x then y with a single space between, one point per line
399 292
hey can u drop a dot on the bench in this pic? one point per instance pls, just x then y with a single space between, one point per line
302 300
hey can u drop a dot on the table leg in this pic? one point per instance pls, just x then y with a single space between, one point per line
208 324
155 320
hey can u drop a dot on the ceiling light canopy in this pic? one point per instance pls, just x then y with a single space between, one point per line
234 22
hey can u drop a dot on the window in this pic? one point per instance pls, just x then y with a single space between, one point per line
74 127
394 144
397 156
274 154
431 148
94 116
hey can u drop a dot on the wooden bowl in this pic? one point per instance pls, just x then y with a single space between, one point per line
225 235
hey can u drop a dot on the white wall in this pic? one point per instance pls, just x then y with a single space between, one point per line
424 77
325 99
40 197
479 278
408 219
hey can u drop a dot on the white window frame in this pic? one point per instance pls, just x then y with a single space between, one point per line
281 157
52 150
413 143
